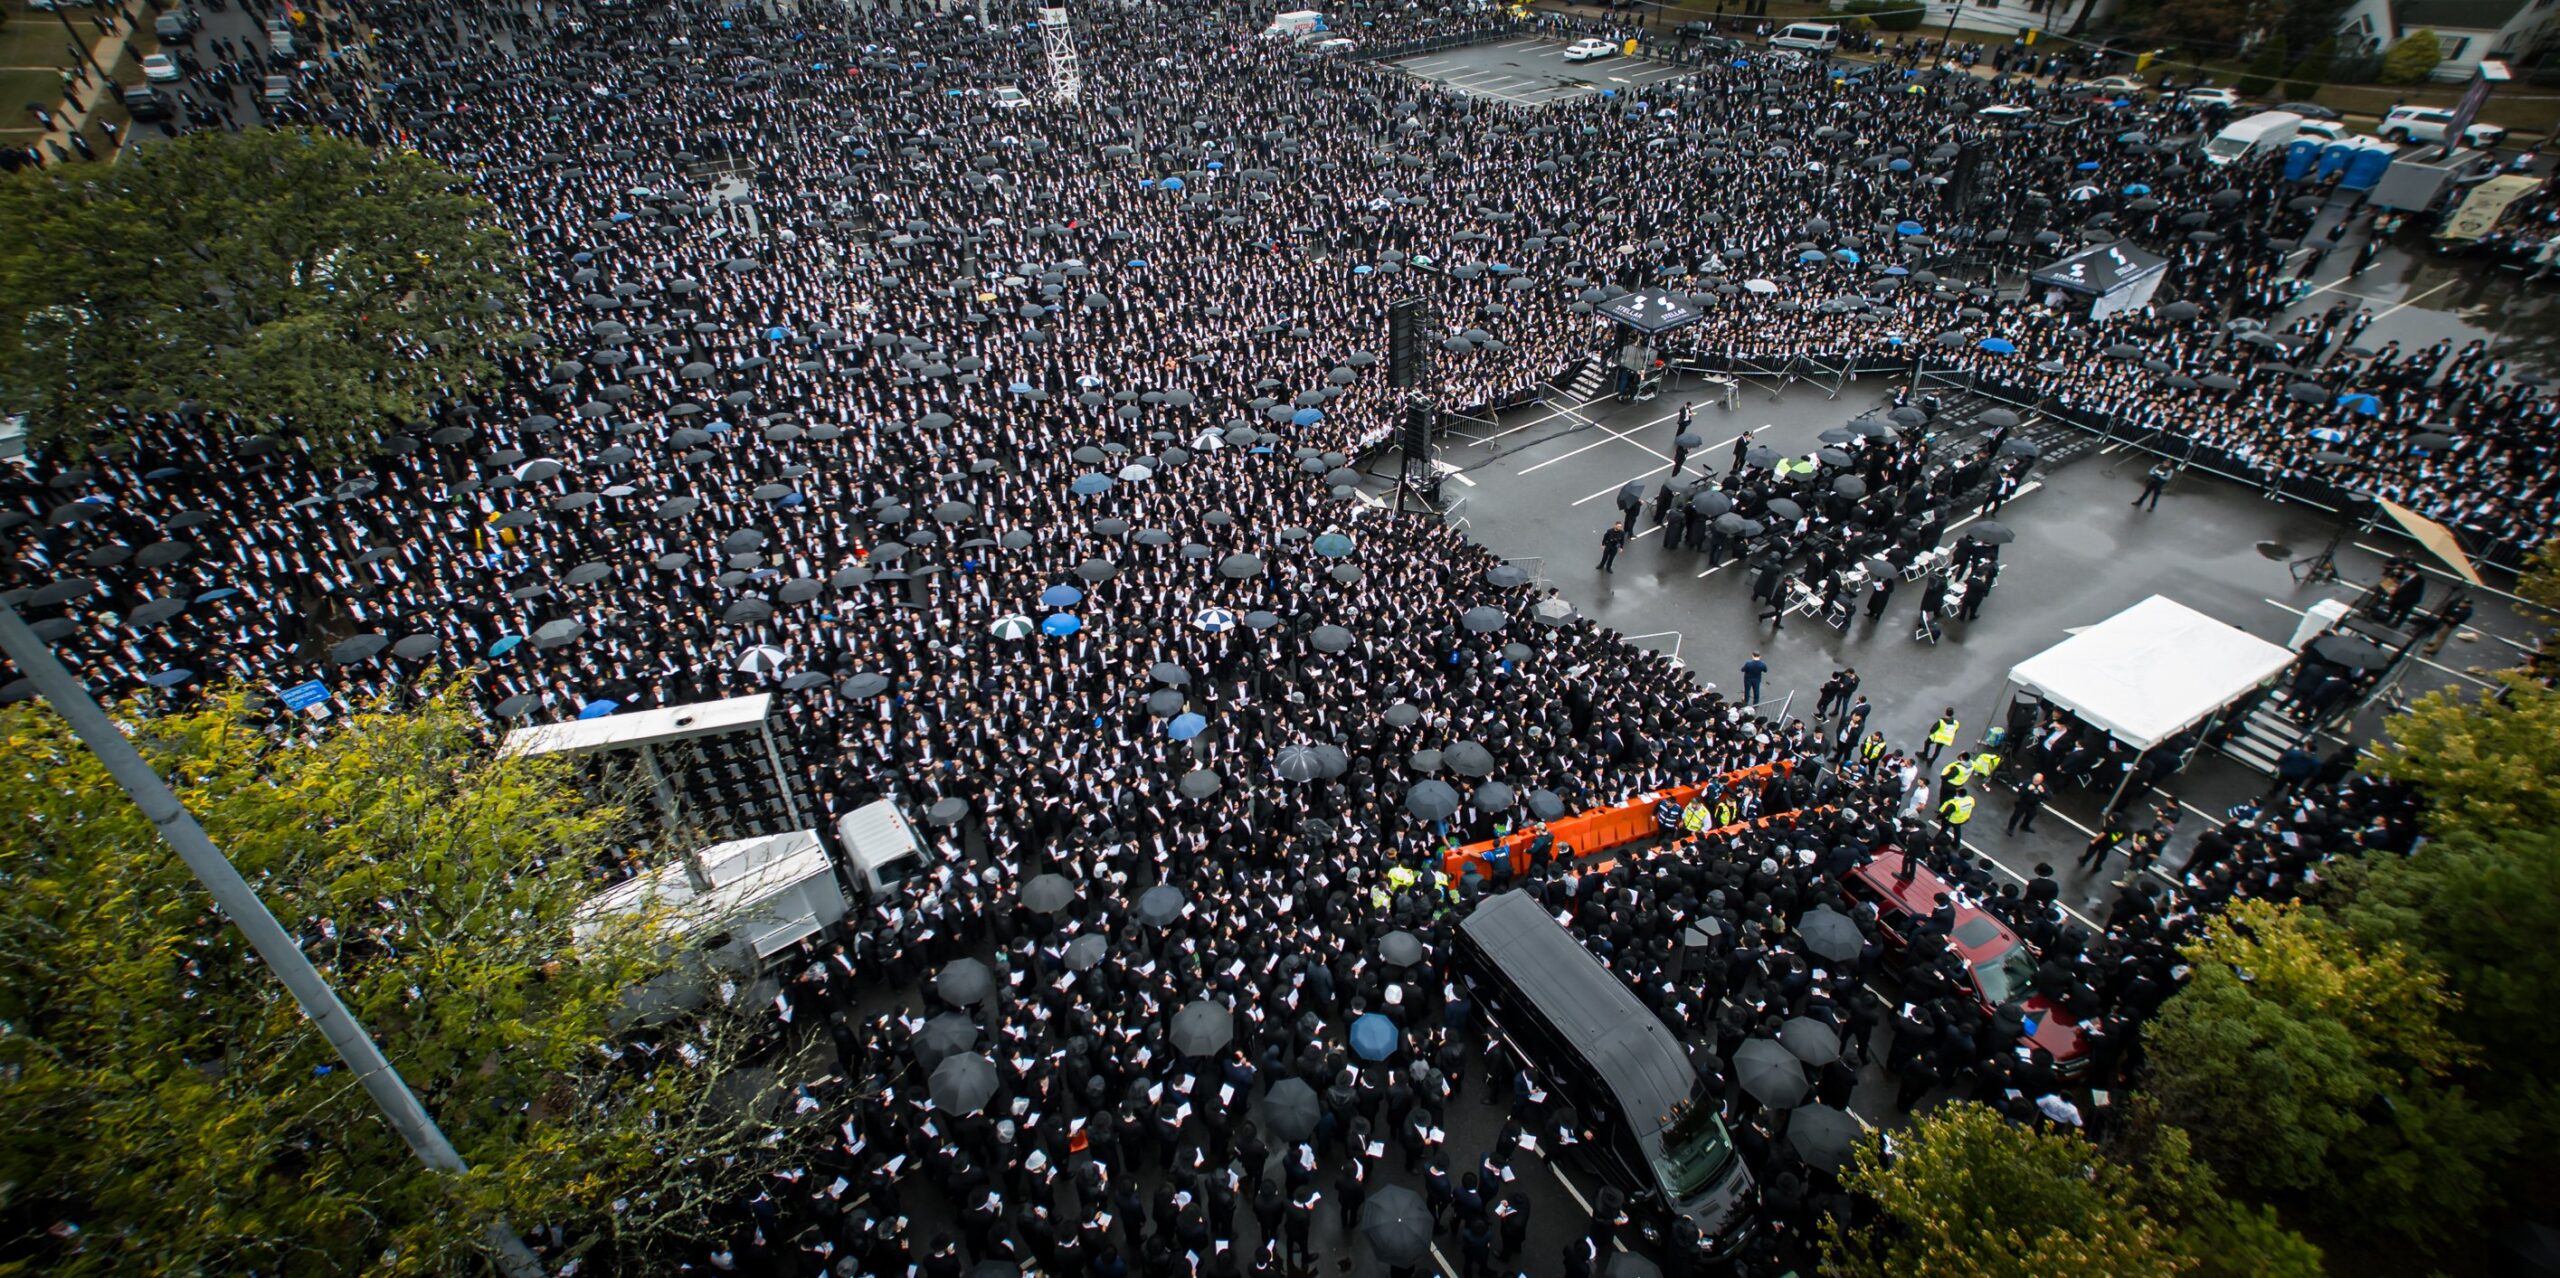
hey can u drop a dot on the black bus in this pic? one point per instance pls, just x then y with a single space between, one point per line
1586 1039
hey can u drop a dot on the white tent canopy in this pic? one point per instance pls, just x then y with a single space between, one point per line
2152 671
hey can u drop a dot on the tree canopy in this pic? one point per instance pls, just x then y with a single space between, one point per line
2304 1061
1969 1194
285 279
162 1091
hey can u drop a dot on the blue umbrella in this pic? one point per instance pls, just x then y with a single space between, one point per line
2138 188
2362 403
1998 345
1333 545
1217 164
1307 416
1172 184
1363 269
1186 726
1061 597
777 333
1847 255
598 709
1900 166
1091 484
1374 1037
1909 228
1061 624
1897 271
1018 388
2088 166
170 678
505 645
1810 256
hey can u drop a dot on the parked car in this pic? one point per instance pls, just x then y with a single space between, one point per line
278 90
280 37
2428 124
2212 96
2307 110
2006 111
1589 50
1007 97
1334 48
160 68
144 103
2001 967
2116 85
175 26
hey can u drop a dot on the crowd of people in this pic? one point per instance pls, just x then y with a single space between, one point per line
1019 435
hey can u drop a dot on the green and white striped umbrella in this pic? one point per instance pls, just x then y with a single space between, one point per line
1016 626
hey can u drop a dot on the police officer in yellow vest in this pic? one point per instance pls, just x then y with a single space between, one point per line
1956 773
1941 735
1873 749
1953 813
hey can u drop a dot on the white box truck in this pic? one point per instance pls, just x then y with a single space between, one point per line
1294 23
881 848
2265 133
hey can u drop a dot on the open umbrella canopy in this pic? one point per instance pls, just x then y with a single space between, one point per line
1483 620
963 1084
1200 783
1186 726
1770 1072
1086 952
1400 948
1291 1110
1374 1038
947 811
964 981
943 1037
1160 905
1831 934
1048 893
1812 1041
1823 1136
1398 1226
1431 800
1203 1028
2350 651
1467 759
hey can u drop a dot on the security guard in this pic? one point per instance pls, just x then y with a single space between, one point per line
1956 773
1873 750
1985 763
1953 813
1941 735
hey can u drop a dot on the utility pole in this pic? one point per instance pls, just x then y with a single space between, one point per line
239 903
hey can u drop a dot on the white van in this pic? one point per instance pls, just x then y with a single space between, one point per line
1807 37
881 849
2409 125
2260 134
1296 22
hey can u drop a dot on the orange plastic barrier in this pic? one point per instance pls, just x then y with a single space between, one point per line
1600 829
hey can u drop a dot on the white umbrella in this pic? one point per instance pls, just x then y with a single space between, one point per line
1760 286
1134 473
1214 620
1016 626
760 659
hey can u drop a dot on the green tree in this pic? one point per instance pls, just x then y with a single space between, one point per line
2412 57
287 279
2304 1062
1968 1194
2306 79
2263 68
159 1088
2212 25
2487 763
2224 1238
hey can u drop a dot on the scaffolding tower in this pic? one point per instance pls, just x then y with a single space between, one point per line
1066 77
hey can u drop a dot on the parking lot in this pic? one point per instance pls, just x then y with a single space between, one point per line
1533 71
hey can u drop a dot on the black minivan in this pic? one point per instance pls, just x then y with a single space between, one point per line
1583 1035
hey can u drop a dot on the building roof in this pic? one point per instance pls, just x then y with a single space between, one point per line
2458 15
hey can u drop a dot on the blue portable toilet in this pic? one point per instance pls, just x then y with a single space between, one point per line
2366 168
2299 158
2333 159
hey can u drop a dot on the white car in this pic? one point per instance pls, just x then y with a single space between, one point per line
1588 50
2427 124
2005 111
1333 48
2121 84
1008 98
162 68
2212 97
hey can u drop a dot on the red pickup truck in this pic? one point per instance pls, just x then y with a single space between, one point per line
2003 968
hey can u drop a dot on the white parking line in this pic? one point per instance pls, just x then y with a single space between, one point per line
1627 438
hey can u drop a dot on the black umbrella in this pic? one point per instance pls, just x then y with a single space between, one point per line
1048 893
963 1084
1291 1110
1086 952
1160 905
947 811
1831 934
1991 532
1431 800
1203 1028
943 1037
1770 1072
1545 805
1398 1225
1483 620
2350 651
964 981
1467 759
356 649
1400 949
1824 1136
1200 783
1810 1040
